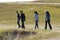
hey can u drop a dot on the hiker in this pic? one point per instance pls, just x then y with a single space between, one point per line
18 19
36 19
22 19
47 20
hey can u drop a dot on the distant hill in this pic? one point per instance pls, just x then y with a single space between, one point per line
49 1
35 2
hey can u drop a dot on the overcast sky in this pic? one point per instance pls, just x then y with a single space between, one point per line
14 0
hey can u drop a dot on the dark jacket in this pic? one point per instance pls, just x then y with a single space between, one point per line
47 16
23 17
18 16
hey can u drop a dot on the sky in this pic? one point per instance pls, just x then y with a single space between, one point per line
15 0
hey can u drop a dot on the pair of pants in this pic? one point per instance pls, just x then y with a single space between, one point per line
48 24
18 22
23 26
36 25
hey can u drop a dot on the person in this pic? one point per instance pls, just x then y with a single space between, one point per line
36 19
18 19
47 20
22 19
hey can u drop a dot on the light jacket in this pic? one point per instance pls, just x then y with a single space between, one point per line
36 17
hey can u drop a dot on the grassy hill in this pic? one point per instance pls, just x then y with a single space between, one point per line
8 13
19 34
49 1
11 32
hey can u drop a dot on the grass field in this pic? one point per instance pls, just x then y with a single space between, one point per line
8 13
8 25
21 34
